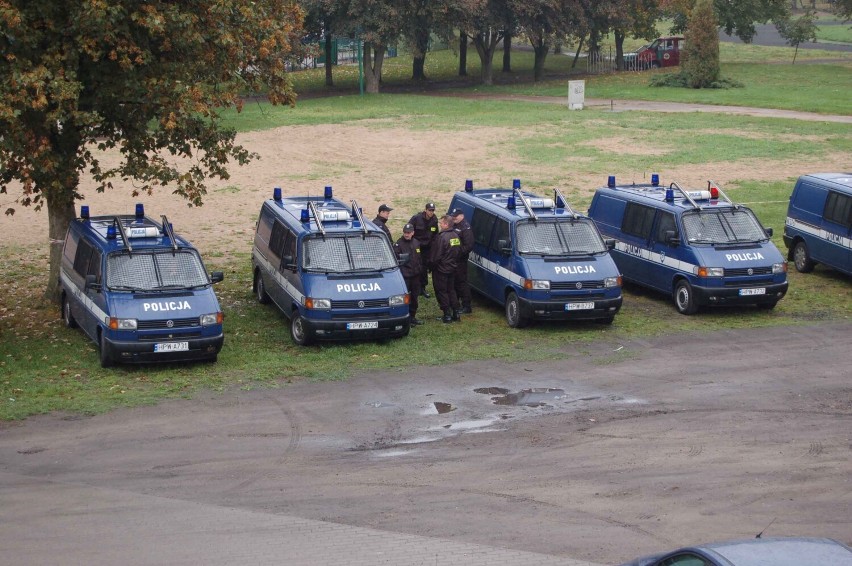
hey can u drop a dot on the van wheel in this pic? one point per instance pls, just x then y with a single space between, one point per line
802 258
513 312
260 289
298 330
684 299
66 313
106 361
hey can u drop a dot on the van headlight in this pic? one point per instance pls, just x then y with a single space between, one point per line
212 318
311 303
536 284
612 282
710 271
779 267
398 300
122 323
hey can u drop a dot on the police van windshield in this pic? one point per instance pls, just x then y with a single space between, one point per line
559 238
347 254
155 271
722 227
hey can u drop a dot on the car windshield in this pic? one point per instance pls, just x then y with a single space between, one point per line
729 226
155 271
349 253
559 238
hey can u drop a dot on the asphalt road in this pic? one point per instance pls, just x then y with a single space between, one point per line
615 450
766 34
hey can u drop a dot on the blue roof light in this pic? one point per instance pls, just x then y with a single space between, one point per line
669 195
510 203
140 210
276 193
84 212
516 184
610 181
655 179
468 186
111 232
305 215
328 192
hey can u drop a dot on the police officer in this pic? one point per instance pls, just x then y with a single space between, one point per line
445 253
425 230
411 269
465 233
381 220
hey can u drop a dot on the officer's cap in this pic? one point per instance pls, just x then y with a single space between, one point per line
430 206
456 212
408 228
384 208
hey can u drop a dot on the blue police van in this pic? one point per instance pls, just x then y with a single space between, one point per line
537 257
331 272
695 245
138 290
818 228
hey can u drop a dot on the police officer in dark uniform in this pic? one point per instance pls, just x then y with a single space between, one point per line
446 250
465 233
425 230
381 220
411 269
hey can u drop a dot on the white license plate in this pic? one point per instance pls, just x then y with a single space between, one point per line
747 292
579 306
362 325
171 347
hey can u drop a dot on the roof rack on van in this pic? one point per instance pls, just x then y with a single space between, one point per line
356 212
516 189
123 233
167 228
714 185
313 208
559 197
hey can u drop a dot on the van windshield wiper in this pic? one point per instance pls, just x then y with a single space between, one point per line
126 288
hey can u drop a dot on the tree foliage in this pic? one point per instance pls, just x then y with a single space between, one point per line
735 17
701 54
81 76
799 30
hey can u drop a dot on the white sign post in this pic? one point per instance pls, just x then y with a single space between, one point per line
576 94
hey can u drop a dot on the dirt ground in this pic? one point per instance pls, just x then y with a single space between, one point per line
376 161
615 451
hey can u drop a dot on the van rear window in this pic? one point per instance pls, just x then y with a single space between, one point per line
346 254
153 271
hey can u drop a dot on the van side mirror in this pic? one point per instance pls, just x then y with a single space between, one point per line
217 276
610 243
288 262
671 238
768 231
92 283
505 247
403 259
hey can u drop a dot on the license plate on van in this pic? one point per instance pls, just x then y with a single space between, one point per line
362 325
747 292
172 347
579 306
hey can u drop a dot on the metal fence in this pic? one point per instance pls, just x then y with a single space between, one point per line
344 51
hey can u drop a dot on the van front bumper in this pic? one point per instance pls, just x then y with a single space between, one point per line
204 348
556 309
731 295
392 327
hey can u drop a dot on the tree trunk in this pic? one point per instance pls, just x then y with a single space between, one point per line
60 213
619 50
507 53
577 54
540 48
421 45
486 45
463 54
329 47
374 56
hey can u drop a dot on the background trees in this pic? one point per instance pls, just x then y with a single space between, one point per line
77 77
701 54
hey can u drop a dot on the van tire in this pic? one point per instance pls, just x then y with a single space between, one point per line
260 289
70 322
106 361
514 318
684 298
802 258
297 330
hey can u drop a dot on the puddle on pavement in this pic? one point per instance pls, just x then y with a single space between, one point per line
537 397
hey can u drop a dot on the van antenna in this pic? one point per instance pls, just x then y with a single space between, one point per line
764 530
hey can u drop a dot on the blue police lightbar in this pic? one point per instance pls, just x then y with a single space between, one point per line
140 210
510 203
84 212
516 184
610 181
655 179
111 232
306 217
276 193
328 192
669 195
468 186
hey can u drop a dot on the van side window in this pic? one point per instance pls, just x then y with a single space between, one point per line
481 224
289 248
666 223
501 232
81 260
638 220
838 209
70 249
276 241
95 265
264 225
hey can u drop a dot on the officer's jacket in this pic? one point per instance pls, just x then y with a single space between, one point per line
414 266
446 251
466 236
425 229
382 223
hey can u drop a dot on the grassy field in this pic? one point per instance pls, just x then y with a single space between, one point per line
45 367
